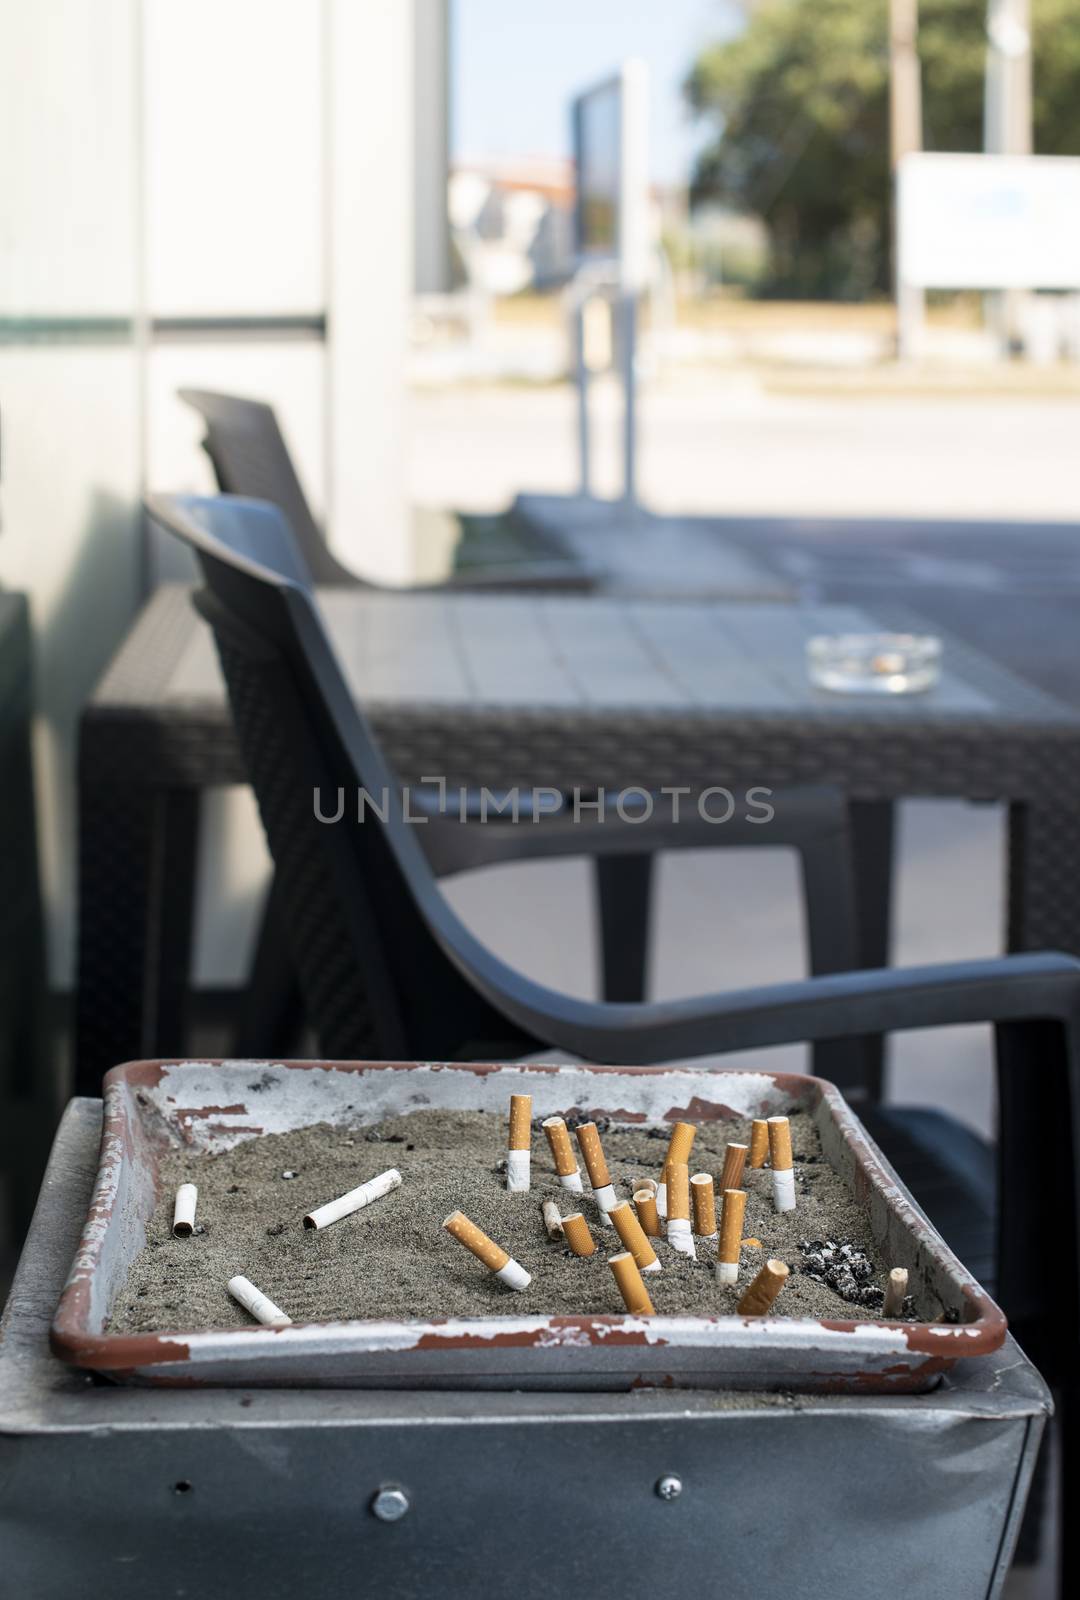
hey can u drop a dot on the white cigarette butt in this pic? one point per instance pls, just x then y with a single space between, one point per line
572 1181
552 1220
680 1236
784 1190
661 1201
262 1308
895 1292
606 1198
355 1200
514 1275
183 1222
517 1170
727 1272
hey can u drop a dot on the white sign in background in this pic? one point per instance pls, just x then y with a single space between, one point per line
989 222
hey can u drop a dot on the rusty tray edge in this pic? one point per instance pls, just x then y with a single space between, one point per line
162 1357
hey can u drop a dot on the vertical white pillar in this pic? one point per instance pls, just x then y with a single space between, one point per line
369 265
431 96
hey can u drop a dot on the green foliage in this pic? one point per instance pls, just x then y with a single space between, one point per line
800 102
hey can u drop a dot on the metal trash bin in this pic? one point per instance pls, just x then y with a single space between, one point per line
328 1493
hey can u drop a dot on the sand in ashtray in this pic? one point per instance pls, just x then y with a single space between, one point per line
394 1259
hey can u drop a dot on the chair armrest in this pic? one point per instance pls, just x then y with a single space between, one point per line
845 1005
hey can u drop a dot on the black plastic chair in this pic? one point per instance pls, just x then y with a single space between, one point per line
251 458
248 453
389 972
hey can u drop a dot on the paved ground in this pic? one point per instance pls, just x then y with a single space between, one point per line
725 445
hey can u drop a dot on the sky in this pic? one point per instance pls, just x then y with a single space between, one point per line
515 65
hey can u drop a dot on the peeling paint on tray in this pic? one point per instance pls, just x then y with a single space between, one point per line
215 1105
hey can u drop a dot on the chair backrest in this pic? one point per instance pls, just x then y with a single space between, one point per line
360 895
250 457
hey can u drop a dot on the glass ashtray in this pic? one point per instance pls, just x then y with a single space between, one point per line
874 663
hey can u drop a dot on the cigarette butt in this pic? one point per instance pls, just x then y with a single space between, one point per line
596 1166
648 1216
519 1143
562 1152
631 1284
703 1200
552 1219
679 1233
895 1292
661 1198
678 1185
520 1121
764 1290
493 1256
183 1221
577 1234
593 1154
734 1161
634 1238
647 1183
759 1141
680 1144
780 1159
261 1307
355 1200
732 1212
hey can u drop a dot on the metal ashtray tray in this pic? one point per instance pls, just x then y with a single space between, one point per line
151 1106
874 663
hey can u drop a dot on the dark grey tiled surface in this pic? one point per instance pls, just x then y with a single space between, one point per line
596 653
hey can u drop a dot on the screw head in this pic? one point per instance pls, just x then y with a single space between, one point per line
669 1487
389 1503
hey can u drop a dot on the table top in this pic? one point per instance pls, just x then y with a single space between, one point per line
482 656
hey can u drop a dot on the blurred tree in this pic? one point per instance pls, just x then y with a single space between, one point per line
800 99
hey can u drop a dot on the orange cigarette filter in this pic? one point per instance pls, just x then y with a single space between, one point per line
592 1152
577 1234
759 1141
520 1121
562 1151
632 1234
476 1240
678 1191
680 1144
631 1284
648 1216
780 1157
703 1198
732 1214
734 1161
764 1290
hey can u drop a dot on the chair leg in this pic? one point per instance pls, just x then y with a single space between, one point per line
624 893
830 901
872 833
1068 1426
272 1011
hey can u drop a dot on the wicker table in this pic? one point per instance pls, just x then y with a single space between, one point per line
558 691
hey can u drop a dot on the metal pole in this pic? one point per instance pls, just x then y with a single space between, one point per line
627 354
905 137
582 374
1007 121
